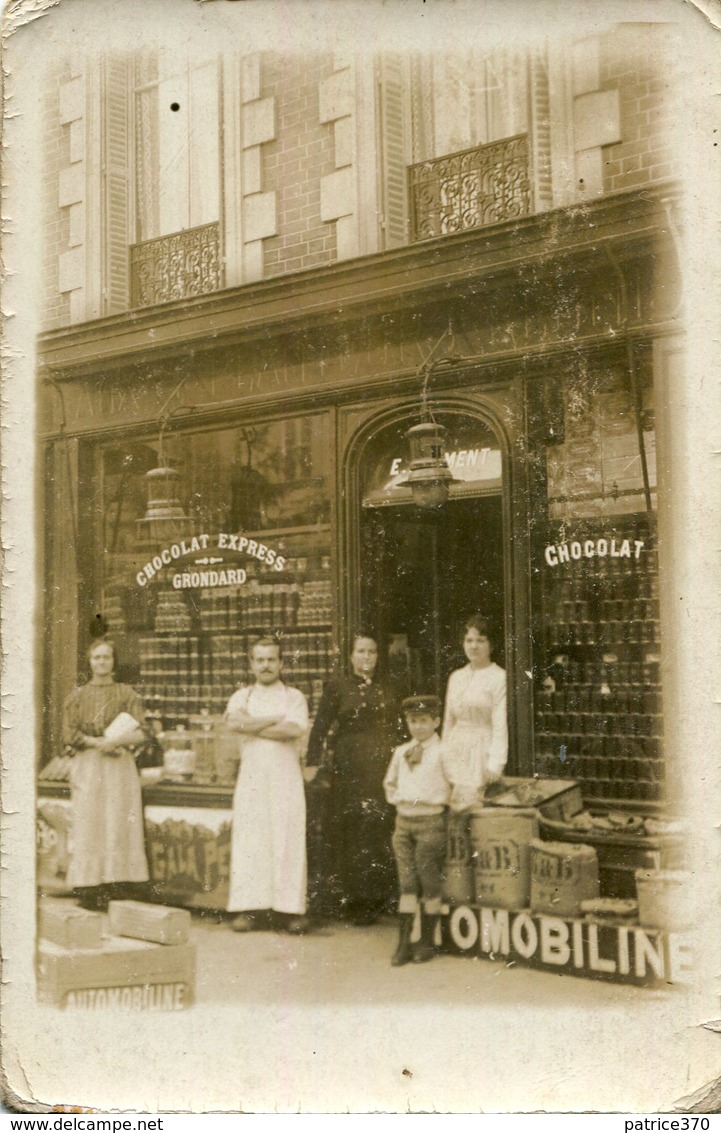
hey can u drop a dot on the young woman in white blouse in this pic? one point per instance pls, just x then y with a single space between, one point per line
475 728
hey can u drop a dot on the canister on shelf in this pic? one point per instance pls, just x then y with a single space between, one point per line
178 753
203 740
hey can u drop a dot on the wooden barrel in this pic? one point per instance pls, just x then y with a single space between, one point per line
665 899
563 874
500 839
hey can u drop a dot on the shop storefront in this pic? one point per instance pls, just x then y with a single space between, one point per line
238 465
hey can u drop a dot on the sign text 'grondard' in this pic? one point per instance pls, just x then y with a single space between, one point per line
224 542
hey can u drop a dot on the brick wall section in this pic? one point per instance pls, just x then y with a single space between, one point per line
293 164
56 221
646 153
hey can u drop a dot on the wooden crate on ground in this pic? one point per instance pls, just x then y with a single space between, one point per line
64 924
160 924
123 975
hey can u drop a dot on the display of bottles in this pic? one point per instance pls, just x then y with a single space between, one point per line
114 614
316 602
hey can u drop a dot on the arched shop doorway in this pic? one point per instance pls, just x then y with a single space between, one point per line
423 571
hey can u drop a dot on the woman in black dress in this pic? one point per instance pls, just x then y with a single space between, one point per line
353 735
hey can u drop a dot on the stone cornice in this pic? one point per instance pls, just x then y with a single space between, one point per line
544 248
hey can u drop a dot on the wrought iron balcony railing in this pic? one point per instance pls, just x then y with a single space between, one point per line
470 189
177 266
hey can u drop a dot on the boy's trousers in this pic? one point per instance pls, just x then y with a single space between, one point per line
419 845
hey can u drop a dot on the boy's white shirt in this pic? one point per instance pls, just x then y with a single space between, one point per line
423 789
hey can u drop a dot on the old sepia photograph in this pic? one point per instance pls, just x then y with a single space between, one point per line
361 533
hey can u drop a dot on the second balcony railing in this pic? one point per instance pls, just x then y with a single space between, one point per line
470 189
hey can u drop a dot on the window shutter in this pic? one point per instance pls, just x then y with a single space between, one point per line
116 187
540 130
393 121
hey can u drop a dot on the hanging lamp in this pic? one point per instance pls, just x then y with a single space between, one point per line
164 519
429 476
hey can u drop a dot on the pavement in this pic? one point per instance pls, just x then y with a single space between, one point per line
323 1023
340 963
344 964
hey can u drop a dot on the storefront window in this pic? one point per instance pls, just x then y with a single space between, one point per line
598 698
232 543
598 469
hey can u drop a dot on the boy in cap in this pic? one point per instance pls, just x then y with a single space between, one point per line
416 784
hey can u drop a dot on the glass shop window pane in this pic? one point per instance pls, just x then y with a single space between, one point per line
597 634
471 452
597 470
185 646
257 477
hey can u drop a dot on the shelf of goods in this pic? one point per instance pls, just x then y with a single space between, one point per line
182 674
600 709
625 842
198 654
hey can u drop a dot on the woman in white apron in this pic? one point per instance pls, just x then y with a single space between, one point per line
107 848
475 728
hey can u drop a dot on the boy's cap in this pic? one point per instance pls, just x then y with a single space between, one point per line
421 706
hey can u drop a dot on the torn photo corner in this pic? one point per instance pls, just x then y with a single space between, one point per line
361 371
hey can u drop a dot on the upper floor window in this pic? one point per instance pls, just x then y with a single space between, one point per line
470 100
178 144
177 178
466 141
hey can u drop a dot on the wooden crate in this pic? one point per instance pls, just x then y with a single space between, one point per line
161 924
64 924
122 975
560 798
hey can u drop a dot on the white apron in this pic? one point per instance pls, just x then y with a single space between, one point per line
268 851
108 841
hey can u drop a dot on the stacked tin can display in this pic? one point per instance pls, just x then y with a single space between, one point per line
198 653
598 700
